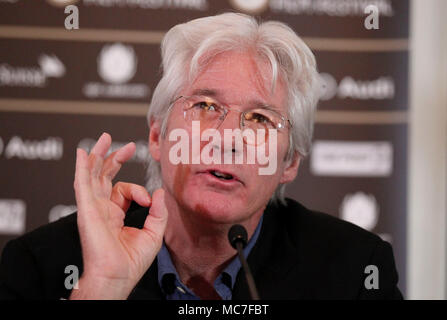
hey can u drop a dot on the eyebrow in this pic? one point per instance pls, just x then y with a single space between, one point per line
214 94
205 92
262 105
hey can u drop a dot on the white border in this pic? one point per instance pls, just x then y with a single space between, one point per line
426 237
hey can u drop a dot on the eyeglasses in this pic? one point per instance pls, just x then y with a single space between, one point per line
211 114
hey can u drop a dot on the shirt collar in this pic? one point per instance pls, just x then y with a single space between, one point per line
167 274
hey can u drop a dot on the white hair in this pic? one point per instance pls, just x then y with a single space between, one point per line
289 57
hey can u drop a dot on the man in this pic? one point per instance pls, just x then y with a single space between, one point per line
221 74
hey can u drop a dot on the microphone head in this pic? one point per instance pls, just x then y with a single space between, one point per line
237 234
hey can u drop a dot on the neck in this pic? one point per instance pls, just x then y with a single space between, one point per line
199 248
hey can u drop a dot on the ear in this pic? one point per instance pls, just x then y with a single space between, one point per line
154 139
291 169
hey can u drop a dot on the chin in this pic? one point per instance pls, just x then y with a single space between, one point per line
217 207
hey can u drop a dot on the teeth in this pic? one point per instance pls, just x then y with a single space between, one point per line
222 175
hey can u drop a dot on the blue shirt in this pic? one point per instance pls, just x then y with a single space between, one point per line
169 278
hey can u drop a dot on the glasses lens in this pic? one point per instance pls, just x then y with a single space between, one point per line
203 109
260 121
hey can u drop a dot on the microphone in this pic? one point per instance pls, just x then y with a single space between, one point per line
238 240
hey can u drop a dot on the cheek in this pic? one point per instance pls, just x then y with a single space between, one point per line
174 176
271 156
167 167
180 176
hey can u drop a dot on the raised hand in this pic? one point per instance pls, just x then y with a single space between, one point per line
115 257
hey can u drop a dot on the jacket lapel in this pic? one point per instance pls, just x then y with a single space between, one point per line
274 261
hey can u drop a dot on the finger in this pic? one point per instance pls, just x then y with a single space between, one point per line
95 164
97 154
82 176
124 193
113 163
149 239
102 145
155 223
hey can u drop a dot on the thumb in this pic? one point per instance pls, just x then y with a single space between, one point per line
157 219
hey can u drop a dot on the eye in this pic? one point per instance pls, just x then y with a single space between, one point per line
257 118
206 106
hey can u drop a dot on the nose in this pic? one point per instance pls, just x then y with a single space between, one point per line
230 121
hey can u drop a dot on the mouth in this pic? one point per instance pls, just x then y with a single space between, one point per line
222 176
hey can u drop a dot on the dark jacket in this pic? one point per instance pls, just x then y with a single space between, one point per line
300 254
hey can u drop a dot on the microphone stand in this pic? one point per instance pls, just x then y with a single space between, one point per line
237 236
250 281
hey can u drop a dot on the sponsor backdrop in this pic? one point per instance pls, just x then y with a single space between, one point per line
60 89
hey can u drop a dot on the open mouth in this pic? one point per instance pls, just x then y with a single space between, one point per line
221 175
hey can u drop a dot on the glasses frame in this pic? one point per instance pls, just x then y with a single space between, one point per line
227 109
